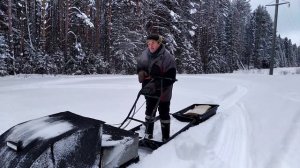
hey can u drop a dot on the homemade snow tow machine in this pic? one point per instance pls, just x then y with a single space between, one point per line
66 139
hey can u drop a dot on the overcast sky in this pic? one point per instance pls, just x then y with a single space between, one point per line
288 23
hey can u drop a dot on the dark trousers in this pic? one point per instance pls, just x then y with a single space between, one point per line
163 109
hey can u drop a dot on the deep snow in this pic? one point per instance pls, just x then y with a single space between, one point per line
257 123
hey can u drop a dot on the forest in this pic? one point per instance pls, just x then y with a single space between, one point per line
107 36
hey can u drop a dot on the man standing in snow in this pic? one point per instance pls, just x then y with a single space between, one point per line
156 70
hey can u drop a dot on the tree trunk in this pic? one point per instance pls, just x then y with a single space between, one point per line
28 25
60 21
85 28
22 38
43 26
97 27
111 60
9 11
66 30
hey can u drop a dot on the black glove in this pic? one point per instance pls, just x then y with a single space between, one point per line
142 76
149 89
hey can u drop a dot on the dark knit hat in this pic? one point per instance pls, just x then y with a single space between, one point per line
155 37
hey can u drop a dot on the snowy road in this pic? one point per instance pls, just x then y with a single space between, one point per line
257 123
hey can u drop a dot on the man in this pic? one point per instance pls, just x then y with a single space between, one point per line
157 72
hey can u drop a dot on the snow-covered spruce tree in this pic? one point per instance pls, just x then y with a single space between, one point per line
207 33
298 56
56 63
6 26
262 37
41 63
4 55
100 64
222 40
280 54
126 36
215 60
288 52
250 35
181 35
77 23
294 55
89 64
196 10
239 15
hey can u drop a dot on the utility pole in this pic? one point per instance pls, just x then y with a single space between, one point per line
274 34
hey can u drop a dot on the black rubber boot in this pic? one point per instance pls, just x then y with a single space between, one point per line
165 130
149 129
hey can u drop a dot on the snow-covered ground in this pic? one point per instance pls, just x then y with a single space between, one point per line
257 123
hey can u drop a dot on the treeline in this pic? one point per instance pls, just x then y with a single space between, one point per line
106 36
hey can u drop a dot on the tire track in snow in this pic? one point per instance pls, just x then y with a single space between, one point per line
229 138
232 144
226 144
230 98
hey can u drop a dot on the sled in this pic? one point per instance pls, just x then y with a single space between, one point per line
67 140
192 115
196 113
186 116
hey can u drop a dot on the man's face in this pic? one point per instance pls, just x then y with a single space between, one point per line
153 45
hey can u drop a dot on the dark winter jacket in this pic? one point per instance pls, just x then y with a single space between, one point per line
160 64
